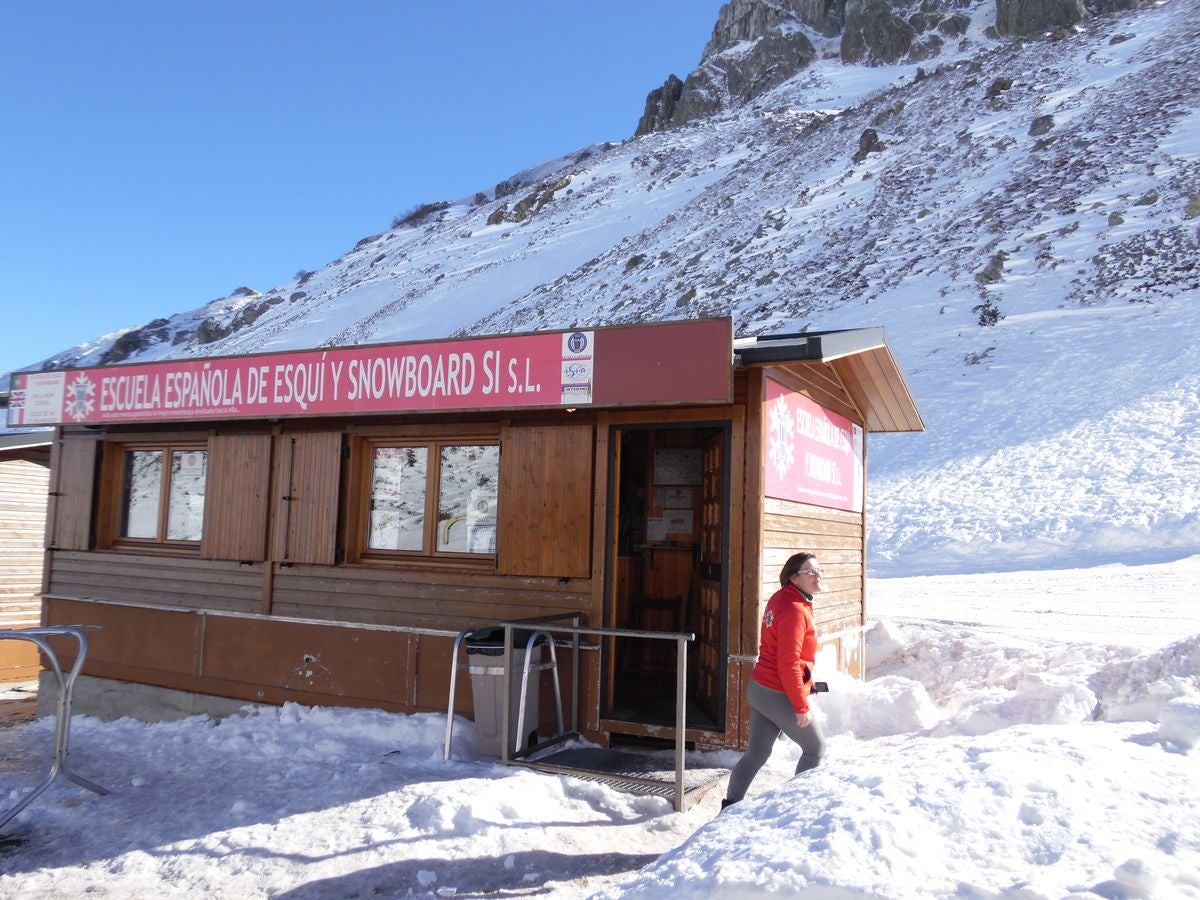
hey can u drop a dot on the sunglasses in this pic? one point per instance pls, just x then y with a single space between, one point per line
813 571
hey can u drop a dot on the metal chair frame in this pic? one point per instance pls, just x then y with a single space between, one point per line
62 725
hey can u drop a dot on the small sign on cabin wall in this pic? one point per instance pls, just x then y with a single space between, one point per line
813 455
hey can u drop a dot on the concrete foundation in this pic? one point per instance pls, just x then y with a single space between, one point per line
107 699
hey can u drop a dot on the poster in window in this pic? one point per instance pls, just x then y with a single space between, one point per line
678 498
481 521
678 467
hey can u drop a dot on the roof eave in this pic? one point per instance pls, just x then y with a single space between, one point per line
863 363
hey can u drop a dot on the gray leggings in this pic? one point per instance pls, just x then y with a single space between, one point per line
771 713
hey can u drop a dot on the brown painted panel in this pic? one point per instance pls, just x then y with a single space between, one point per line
323 660
672 362
546 501
235 508
19 660
431 676
132 639
305 505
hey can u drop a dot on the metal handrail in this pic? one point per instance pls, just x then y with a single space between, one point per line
681 639
508 754
62 725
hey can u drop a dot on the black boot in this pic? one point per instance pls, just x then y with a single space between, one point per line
726 803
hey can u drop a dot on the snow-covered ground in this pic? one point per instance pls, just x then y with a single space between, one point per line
1028 729
1024 733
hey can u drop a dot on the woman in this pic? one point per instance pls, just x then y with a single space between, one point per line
782 677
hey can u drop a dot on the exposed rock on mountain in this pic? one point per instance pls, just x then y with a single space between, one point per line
1031 18
1008 204
786 206
758 44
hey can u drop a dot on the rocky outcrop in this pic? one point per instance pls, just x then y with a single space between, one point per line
1033 18
134 341
530 205
749 20
756 45
874 33
660 107
886 32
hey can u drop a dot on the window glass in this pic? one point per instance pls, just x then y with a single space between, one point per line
142 494
398 484
467 499
185 506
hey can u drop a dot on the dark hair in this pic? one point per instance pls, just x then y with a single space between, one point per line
795 562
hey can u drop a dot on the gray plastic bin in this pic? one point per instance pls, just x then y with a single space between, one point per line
485 662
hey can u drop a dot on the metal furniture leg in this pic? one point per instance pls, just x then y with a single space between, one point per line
62 725
454 667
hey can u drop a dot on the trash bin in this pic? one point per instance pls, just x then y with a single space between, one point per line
485 662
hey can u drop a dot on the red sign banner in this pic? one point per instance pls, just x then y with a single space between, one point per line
544 369
813 455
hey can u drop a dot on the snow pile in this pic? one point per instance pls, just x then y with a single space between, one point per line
983 757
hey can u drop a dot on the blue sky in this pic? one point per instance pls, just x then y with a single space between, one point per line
155 156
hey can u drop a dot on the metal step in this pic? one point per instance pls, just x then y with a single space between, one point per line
648 773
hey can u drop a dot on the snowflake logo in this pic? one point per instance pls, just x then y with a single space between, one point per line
781 432
79 403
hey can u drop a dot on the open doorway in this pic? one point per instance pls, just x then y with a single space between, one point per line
668 543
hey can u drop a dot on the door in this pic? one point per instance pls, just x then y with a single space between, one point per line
667 545
709 622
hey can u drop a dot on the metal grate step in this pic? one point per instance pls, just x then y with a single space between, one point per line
635 773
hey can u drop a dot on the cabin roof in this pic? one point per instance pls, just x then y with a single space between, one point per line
23 440
862 361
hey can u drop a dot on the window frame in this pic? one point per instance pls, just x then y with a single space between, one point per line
117 513
429 554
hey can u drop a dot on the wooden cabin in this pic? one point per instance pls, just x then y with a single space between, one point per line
24 485
318 526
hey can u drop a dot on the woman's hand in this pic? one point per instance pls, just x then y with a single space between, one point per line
803 719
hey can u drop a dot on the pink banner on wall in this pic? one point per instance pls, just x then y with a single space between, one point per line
667 362
548 369
812 454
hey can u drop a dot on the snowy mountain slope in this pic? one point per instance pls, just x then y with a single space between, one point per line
1022 217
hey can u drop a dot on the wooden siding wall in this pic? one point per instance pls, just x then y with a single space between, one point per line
836 538
24 488
184 582
422 598
546 500
775 529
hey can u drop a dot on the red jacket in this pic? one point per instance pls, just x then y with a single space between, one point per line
787 646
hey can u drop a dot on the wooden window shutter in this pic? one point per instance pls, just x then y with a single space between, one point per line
235 504
545 502
305 502
74 478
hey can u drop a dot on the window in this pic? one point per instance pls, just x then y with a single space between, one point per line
432 498
162 494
